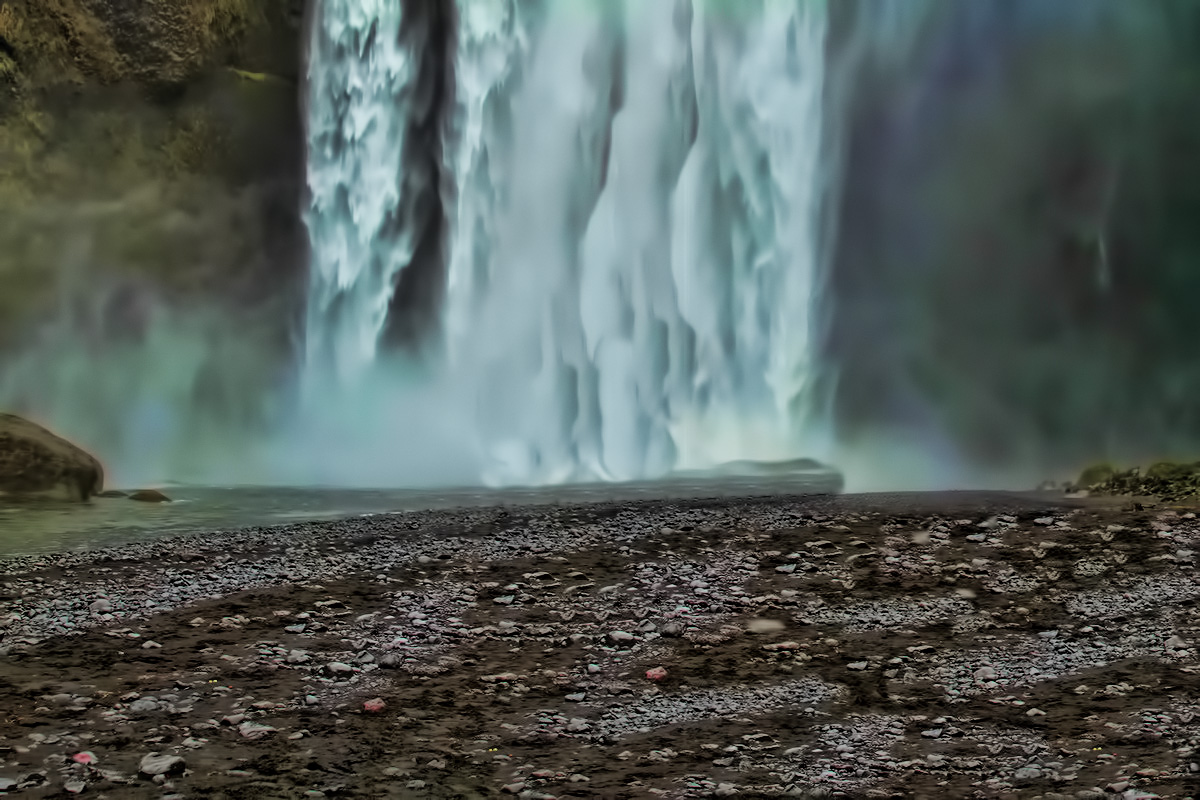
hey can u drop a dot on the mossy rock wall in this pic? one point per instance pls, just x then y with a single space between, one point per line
151 246
138 145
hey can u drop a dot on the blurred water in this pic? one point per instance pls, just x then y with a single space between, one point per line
44 527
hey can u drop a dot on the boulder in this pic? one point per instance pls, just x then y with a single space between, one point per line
149 496
33 461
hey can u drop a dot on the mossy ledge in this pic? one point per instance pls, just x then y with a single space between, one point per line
1169 481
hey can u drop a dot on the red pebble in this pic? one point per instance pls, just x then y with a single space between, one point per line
656 674
374 705
86 757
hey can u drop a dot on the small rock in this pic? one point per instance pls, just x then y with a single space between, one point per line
857 666
338 668
985 674
101 606
621 637
253 730
514 788
144 705
75 787
764 626
151 645
656 674
725 790
161 764
374 705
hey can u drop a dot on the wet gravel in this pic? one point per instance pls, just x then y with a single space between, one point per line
883 646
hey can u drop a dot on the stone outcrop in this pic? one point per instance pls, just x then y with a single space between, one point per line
34 461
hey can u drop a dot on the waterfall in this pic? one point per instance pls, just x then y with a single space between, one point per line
359 96
631 194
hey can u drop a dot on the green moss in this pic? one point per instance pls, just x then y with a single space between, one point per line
257 77
195 144
225 19
12 26
1095 474
1169 470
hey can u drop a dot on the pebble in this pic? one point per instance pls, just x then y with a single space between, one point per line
254 730
161 764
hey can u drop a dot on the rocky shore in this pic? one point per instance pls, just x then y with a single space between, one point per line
858 646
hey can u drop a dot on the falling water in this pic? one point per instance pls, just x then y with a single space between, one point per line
359 96
631 194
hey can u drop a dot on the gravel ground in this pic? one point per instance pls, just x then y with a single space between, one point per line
950 645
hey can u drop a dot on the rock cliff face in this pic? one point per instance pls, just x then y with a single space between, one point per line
151 152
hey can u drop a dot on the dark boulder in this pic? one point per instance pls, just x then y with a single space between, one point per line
33 461
149 496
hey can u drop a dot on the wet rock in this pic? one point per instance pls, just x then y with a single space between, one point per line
149 496
161 764
144 705
254 730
